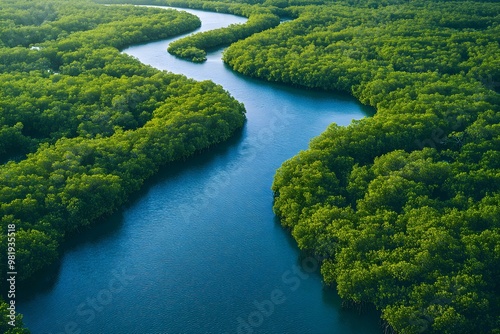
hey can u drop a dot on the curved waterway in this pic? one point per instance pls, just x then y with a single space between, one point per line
199 250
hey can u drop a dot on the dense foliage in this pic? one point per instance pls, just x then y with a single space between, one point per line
82 125
404 206
194 47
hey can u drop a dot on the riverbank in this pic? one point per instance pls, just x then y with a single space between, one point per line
202 241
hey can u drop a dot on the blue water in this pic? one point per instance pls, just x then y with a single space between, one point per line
199 250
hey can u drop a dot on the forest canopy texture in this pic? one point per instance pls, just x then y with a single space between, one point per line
402 207
82 125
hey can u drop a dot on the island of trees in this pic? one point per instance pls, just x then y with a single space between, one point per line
194 47
402 208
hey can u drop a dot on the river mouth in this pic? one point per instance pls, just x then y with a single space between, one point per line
199 249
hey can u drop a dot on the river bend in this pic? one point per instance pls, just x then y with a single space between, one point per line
199 250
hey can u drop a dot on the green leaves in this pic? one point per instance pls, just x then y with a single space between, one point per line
194 47
82 126
410 224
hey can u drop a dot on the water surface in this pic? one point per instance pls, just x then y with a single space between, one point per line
199 250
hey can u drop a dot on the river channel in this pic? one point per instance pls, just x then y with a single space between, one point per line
199 250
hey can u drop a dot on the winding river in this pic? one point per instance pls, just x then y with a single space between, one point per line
199 249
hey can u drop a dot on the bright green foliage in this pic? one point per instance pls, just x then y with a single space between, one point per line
82 125
25 23
402 206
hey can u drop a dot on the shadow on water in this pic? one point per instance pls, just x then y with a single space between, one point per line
350 313
99 231
186 258
39 284
196 161
107 227
287 232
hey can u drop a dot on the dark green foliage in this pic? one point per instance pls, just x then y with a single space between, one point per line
402 206
242 8
131 25
82 125
194 47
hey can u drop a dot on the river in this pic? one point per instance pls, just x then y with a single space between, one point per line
199 250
